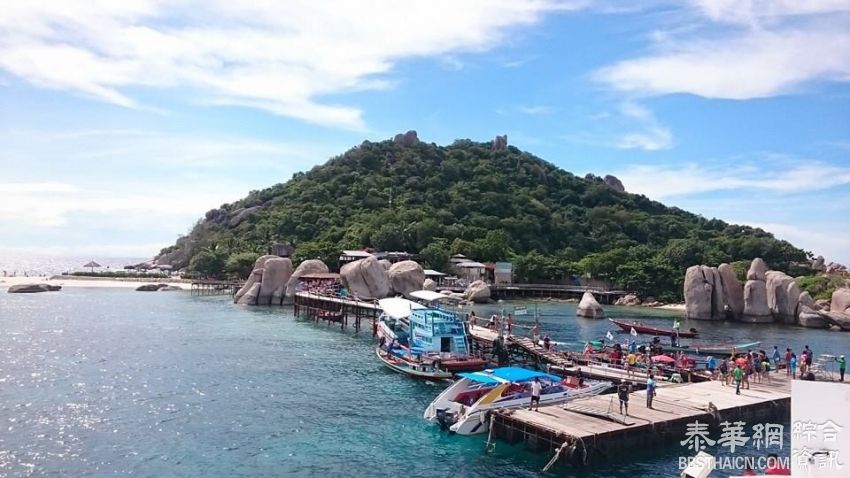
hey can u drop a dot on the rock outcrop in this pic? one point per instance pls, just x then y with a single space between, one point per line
500 143
241 215
32 288
811 318
429 284
733 293
758 270
614 183
818 264
276 274
630 300
840 301
249 296
151 287
407 139
365 279
478 292
755 294
385 264
406 277
822 304
589 308
783 295
310 266
703 293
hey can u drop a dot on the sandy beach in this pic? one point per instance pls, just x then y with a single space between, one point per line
75 281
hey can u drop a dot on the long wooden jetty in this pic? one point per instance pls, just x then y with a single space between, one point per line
335 309
592 429
215 287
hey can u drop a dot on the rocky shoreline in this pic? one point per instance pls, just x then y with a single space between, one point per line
715 293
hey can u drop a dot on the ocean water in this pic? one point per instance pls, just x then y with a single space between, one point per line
113 382
15 263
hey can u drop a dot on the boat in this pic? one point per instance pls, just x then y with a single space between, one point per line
428 334
712 349
465 406
408 365
647 329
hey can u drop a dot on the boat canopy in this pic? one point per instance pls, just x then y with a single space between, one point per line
427 295
398 308
508 374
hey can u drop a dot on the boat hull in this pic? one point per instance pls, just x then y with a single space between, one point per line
411 368
649 330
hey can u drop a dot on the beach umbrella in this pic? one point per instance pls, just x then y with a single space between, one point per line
92 265
663 359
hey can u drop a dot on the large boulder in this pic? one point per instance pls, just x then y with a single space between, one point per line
500 143
151 287
732 290
255 277
806 300
822 304
614 183
32 288
755 302
249 297
588 307
429 284
276 274
310 266
704 299
630 300
811 318
818 264
385 264
406 277
365 279
783 294
478 292
758 270
838 319
840 301
407 139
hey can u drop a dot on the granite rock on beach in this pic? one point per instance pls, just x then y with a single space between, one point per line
32 288
589 308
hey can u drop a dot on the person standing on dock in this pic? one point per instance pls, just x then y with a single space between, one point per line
792 365
776 358
842 367
631 363
738 374
623 391
535 334
650 390
536 388
509 324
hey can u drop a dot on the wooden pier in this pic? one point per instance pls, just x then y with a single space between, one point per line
592 429
335 310
522 349
215 287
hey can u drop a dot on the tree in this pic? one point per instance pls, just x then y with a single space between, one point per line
495 246
325 251
436 255
241 264
207 263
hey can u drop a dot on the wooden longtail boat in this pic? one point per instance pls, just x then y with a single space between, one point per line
647 329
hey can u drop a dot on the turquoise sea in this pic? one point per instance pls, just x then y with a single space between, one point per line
113 382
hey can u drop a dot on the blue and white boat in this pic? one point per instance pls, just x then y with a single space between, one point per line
426 335
464 406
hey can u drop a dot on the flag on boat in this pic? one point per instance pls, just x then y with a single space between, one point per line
609 335
633 332
520 311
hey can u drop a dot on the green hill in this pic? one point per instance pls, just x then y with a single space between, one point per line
490 205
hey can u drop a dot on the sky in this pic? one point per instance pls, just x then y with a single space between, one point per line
123 122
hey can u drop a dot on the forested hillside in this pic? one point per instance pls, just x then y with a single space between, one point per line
490 205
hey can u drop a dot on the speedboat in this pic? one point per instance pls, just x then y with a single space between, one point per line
429 335
465 406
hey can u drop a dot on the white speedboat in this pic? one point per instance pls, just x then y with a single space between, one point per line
464 407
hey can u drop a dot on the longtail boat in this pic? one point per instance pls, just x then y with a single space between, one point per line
713 349
647 329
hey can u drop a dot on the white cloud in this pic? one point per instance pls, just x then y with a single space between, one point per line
535 110
652 135
834 245
745 49
772 174
282 57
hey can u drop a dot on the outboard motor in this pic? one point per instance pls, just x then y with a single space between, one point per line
446 418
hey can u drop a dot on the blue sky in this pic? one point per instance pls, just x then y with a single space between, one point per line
123 122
